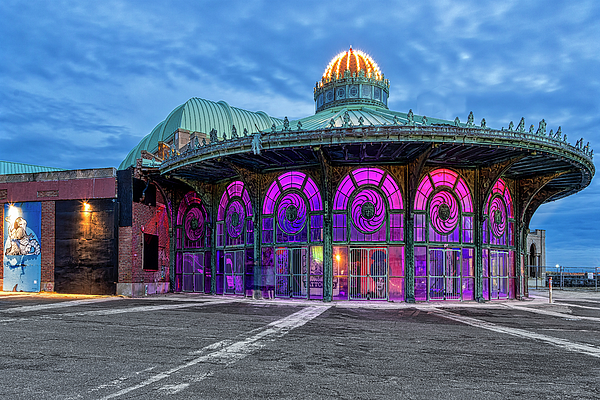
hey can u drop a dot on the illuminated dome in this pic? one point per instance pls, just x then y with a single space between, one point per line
353 61
351 78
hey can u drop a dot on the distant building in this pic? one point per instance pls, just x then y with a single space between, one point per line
536 245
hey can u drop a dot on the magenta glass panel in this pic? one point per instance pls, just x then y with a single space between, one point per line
370 176
270 197
267 230
497 217
235 189
420 261
453 237
468 262
396 261
178 263
357 236
511 236
283 237
368 211
396 289
292 179
292 213
220 235
467 222
344 191
247 202
511 264
178 241
443 212
513 288
444 177
423 193
485 232
508 201
222 205
392 192
316 228
486 288
340 231
267 271
194 223
314 196
249 232
235 219
189 199
485 262
468 288
420 289
396 227
419 227
465 196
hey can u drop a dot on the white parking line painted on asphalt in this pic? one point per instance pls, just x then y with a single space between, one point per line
553 313
562 343
233 352
61 304
112 311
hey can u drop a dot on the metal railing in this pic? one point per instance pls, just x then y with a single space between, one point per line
564 277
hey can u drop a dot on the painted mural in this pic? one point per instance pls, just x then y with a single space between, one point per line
22 259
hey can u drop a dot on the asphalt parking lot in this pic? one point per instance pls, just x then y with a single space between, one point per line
214 347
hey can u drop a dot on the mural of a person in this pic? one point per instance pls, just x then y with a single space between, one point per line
21 243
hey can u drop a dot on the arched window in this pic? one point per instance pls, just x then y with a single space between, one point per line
292 236
235 239
234 216
192 246
292 210
498 242
368 222
371 201
443 234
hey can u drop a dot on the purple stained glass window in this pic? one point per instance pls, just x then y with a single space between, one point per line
292 180
392 192
194 224
235 219
291 213
371 176
497 216
443 177
444 212
270 198
345 189
423 192
368 211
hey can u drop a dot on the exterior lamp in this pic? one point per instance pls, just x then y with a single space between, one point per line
87 207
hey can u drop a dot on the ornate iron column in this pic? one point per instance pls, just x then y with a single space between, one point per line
327 226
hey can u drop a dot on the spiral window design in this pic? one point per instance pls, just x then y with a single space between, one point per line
234 220
291 213
194 224
368 211
443 212
497 217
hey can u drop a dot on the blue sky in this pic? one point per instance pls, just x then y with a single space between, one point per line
81 82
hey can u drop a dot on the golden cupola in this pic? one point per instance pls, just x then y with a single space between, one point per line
352 77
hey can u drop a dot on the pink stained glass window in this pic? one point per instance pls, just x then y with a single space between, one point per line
270 198
345 189
465 195
443 177
423 192
392 192
235 188
370 176
314 196
292 179
189 199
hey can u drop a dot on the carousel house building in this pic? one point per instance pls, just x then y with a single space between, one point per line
356 202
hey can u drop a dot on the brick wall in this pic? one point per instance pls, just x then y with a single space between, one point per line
125 254
48 245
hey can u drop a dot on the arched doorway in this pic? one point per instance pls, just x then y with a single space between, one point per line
498 244
368 237
235 241
532 261
192 246
443 234
292 237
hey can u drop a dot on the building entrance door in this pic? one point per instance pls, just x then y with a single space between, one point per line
234 272
291 272
498 274
193 272
368 273
444 278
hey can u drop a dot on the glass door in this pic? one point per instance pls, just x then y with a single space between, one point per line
444 274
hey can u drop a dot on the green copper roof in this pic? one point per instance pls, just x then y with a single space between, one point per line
200 115
8 168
